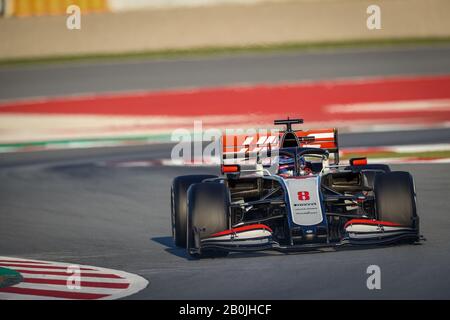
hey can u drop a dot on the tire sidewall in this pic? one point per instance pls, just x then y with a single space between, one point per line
392 190
179 190
208 211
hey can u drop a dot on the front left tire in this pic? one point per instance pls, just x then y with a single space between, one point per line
396 199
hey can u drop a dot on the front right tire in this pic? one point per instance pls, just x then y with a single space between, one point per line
180 186
208 213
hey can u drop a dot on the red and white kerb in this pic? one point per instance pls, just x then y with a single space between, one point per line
46 280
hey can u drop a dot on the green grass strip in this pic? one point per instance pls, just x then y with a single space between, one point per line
425 155
215 51
161 138
165 138
9 277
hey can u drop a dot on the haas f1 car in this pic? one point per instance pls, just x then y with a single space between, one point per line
299 197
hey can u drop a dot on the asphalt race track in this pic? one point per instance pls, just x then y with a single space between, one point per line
75 206
86 212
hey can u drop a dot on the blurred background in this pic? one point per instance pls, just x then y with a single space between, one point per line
86 117
118 26
138 69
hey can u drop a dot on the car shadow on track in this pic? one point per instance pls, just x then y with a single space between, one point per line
180 252
167 242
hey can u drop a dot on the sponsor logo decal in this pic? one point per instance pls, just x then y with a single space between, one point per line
303 195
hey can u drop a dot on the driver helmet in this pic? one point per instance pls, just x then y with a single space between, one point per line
304 166
286 165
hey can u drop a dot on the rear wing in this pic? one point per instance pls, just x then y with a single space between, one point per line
321 138
243 148
246 146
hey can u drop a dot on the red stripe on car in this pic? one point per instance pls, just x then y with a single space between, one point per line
241 229
372 222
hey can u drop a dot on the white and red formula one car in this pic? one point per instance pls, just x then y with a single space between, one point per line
297 198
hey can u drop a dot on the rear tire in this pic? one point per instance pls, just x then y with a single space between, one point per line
396 199
180 186
208 213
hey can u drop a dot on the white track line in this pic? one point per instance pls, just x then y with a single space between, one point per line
58 277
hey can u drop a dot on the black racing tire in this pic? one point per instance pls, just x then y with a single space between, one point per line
180 186
208 212
369 177
396 199
379 167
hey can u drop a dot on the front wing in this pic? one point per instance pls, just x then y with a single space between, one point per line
358 232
